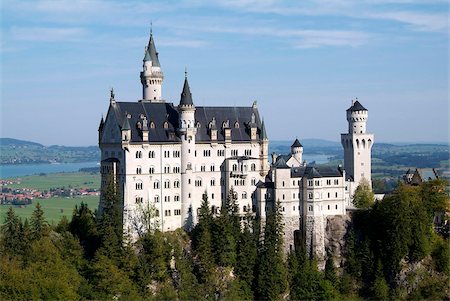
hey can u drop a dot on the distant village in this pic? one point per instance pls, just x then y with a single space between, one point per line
24 196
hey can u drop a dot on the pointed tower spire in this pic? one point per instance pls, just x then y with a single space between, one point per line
151 75
186 95
263 131
152 53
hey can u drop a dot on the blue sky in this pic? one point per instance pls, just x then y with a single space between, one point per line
303 61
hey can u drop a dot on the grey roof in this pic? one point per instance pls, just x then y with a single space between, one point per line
315 172
126 125
159 113
263 131
186 95
296 143
147 56
151 49
356 107
280 163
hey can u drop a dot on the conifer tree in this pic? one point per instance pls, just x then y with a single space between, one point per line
330 271
246 255
39 226
271 279
84 227
11 233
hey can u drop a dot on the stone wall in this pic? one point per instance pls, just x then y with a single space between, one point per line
291 224
335 231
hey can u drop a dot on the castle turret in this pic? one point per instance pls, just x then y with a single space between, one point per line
187 131
264 150
297 151
357 144
151 75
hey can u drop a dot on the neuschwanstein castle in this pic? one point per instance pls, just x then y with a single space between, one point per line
168 155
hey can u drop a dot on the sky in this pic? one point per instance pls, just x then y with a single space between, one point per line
302 61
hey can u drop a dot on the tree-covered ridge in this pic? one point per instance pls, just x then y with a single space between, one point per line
226 256
13 151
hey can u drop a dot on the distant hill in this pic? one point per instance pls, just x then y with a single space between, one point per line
14 151
17 142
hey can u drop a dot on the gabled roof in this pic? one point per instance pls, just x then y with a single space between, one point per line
356 106
281 163
296 143
159 113
186 95
151 50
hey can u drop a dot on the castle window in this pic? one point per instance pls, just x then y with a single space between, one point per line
203 167
151 170
177 212
328 195
244 196
176 154
213 182
138 200
336 194
220 152
206 153
328 207
293 196
166 184
138 154
166 154
177 198
152 125
336 182
234 152
189 196
253 167
328 182
157 212
235 167
156 185
151 154
139 186
282 183
167 212
198 182
282 209
212 196
236 124
283 196
167 169
138 171
253 181
165 125
293 208
310 208
248 152
176 184
317 183
176 169
156 198
310 195
310 182
213 168
167 198
336 206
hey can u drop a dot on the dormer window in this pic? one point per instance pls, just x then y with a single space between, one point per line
139 125
165 125
198 125
236 124
152 125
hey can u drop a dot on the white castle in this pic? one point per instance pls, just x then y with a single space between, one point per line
167 156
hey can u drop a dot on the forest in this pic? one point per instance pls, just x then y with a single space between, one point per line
392 251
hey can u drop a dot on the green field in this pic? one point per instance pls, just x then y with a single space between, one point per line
58 180
54 208
57 207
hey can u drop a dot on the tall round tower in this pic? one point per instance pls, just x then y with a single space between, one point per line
357 144
151 75
187 131
297 151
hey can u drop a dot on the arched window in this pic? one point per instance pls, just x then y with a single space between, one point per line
166 184
235 167
156 198
236 124
156 185
138 170
151 154
213 182
151 170
152 125
176 184
138 154
165 125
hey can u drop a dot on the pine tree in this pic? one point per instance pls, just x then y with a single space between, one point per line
39 226
246 256
11 233
84 227
330 271
271 279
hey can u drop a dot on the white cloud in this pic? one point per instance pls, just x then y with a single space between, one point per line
48 34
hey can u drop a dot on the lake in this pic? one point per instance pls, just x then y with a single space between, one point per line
20 170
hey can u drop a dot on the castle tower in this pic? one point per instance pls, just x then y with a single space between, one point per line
357 144
297 151
187 131
264 151
151 75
